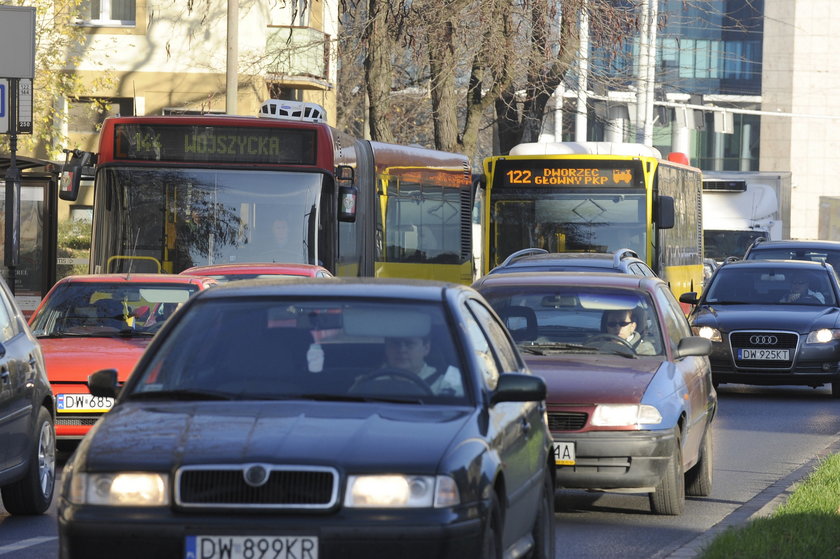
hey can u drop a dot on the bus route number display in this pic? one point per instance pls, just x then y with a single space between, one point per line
217 144
569 176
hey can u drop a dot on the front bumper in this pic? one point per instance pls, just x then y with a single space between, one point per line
91 532
812 365
613 460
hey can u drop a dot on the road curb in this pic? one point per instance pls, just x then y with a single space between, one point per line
760 506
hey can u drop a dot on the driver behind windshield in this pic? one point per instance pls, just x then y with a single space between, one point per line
624 324
409 354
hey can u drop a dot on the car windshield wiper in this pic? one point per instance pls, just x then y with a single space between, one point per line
346 398
180 394
558 347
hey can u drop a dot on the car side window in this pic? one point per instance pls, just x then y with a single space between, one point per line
506 352
489 367
675 322
7 329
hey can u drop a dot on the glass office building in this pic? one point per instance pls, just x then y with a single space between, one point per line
707 53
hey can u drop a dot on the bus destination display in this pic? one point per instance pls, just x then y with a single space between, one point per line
216 144
535 174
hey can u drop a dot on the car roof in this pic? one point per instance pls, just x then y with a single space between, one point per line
791 243
803 265
373 288
606 260
251 267
135 278
593 279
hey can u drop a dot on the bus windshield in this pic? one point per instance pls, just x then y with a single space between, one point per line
169 219
567 221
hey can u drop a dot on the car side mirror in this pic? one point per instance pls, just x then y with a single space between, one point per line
104 383
518 387
689 298
694 345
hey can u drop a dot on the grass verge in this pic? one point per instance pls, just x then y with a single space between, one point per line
807 525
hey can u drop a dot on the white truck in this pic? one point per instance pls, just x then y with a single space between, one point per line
740 206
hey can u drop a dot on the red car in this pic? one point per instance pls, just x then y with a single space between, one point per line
630 400
231 272
105 321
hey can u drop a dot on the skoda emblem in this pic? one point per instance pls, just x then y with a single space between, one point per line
764 340
255 475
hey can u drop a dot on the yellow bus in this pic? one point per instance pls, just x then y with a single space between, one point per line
595 197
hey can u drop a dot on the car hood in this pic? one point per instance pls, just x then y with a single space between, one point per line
73 359
799 318
161 436
586 379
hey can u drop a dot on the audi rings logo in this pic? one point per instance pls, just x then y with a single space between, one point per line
764 340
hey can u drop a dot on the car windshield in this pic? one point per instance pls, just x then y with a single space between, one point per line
318 349
578 318
108 308
769 285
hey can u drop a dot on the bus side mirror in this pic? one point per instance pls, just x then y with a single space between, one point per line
71 174
665 212
347 193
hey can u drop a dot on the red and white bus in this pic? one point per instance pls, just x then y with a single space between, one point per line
172 192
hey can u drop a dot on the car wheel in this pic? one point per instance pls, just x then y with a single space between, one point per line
34 493
698 480
543 532
669 495
835 389
491 543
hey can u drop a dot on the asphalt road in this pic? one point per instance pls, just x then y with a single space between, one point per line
766 438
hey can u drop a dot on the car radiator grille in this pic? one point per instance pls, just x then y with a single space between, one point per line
566 421
261 486
772 340
75 420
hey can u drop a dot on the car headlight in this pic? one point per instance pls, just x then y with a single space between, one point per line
622 415
712 334
401 491
823 336
123 489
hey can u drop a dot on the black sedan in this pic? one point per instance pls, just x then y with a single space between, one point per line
343 418
771 322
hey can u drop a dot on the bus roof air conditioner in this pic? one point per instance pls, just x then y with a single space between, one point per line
293 110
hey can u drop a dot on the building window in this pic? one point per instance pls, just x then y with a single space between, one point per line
86 114
110 13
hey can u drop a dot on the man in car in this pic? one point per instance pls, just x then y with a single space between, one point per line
409 354
800 291
623 323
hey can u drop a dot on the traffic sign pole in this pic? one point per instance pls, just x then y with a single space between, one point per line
12 241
